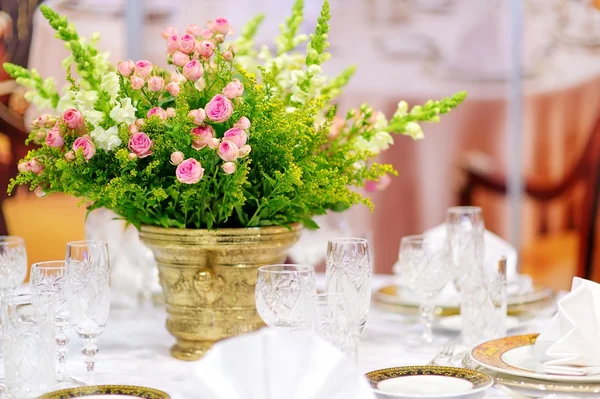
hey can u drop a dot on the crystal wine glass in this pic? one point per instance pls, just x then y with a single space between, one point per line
48 289
88 294
348 273
337 321
285 296
13 263
465 234
425 266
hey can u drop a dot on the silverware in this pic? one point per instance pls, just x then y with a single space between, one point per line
446 353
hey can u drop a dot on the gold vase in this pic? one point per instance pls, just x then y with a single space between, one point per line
208 279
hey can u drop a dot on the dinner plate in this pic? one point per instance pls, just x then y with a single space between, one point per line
107 391
515 356
427 382
454 323
396 299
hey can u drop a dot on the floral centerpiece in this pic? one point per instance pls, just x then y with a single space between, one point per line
229 139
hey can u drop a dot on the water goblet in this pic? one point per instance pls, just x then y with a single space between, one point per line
425 267
13 263
465 231
48 288
337 321
29 345
88 294
348 273
285 296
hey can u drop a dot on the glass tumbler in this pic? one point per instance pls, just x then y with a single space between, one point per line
29 349
13 263
484 305
285 296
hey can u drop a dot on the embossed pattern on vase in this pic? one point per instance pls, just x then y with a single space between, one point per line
209 278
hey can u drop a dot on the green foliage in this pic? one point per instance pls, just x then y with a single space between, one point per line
304 159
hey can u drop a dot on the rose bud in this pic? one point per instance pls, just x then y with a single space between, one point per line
234 89
158 111
193 70
180 59
86 145
201 135
187 43
172 44
219 25
194 30
23 167
143 68
219 108
206 49
189 171
126 68
206 34
245 150
139 122
228 55
173 88
54 138
219 38
177 157
73 119
168 32
242 123
136 82
170 112
70 156
214 143
132 156
228 151
133 129
198 116
156 83
140 144
236 135
228 167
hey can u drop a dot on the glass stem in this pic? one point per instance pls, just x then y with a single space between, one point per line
426 310
89 351
62 339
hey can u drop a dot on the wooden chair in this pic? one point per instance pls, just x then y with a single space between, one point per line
16 21
552 248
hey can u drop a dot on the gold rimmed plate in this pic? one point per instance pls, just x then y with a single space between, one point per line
515 356
427 382
107 391
396 299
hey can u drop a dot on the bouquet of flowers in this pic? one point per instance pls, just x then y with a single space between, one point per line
230 136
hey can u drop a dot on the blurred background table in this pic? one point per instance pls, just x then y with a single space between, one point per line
413 53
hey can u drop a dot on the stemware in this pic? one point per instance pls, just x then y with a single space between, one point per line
48 288
425 267
13 263
285 296
88 294
348 273
337 322
465 235
29 345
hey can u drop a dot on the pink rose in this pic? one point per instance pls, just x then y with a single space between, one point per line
143 68
219 108
171 112
198 116
54 139
187 43
228 167
23 167
40 136
245 150
156 83
73 119
168 32
34 165
158 111
136 82
180 59
125 68
140 144
233 89
139 122
86 145
194 30
236 135
70 156
189 171
173 88
172 44
219 38
219 25
133 129
372 186
177 157
201 135
228 151
193 70
214 143
242 123
132 156
227 55
206 49
44 120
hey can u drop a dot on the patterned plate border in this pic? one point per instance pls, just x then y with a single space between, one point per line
490 353
478 379
127 390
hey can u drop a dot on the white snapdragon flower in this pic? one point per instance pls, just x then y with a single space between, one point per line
200 84
110 84
124 113
107 139
380 121
66 102
86 99
402 109
414 130
382 140
34 97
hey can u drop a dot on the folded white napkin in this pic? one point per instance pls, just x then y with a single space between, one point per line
570 345
271 364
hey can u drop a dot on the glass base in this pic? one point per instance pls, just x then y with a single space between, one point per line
66 381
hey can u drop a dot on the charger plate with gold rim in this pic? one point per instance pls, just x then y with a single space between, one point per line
427 382
515 356
395 299
107 390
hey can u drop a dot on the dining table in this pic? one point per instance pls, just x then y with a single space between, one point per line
134 348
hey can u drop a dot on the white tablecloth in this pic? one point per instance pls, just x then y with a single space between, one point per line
134 350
